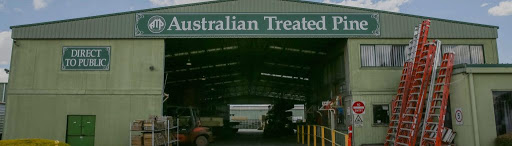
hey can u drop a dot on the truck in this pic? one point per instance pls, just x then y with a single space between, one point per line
190 129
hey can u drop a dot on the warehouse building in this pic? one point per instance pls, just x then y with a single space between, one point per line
112 69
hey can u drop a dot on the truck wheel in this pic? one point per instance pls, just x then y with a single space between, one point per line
201 141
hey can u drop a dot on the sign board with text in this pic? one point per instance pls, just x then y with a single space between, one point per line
358 107
85 58
358 120
222 24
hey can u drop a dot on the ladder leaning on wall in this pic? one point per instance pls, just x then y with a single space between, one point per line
399 102
436 110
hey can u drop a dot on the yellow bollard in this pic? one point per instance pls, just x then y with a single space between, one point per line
308 135
298 132
314 135
346 140
333 140
302 134
323 138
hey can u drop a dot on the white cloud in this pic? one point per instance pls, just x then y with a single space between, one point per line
39 4
3 76
161 3
387 5
484 4
5 47
502 9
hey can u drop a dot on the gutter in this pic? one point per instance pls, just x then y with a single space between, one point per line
473 109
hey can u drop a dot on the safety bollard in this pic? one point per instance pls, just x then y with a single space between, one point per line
350 136
346 140
302 134
314 135
333 140
309 135
323 138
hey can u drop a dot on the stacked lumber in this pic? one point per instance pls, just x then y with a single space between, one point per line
151 130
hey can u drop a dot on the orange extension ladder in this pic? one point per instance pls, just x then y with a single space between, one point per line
398 106
434 123
411 117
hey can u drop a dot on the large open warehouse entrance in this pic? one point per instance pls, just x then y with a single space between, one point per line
212 74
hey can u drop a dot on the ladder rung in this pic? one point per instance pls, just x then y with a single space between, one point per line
437 115
433 123
430 139
437 99
406 129
441 76
408 122
431 131
438 91
403 136
415 93
411 107
439 84
402 143
390 140
394 120
442 68
408 115
396 113
436 106
392 134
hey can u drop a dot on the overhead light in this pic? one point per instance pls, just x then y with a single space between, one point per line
203 78
189 63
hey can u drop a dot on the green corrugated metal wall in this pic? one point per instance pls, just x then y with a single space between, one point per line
121 25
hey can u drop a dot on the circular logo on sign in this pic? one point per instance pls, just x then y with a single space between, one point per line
156 24
358 107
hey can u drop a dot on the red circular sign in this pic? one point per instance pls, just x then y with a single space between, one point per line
358 107
458 115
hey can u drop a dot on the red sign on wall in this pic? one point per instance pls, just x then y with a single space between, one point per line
358 107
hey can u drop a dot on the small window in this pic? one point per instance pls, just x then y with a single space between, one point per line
503 111
380 114
469 54
3 93
382 55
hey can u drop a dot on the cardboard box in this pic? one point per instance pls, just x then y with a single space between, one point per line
136 140
137 125
160 139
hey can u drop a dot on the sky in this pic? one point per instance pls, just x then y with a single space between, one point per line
17 12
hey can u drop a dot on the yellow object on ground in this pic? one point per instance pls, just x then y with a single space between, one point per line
32 142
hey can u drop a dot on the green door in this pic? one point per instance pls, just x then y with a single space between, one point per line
81 130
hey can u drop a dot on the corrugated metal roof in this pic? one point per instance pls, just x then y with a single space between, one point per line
121 25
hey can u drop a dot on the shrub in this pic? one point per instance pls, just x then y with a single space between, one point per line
504 140
32 142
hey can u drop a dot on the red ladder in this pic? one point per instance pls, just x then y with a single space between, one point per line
434 124
410 120
397 106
